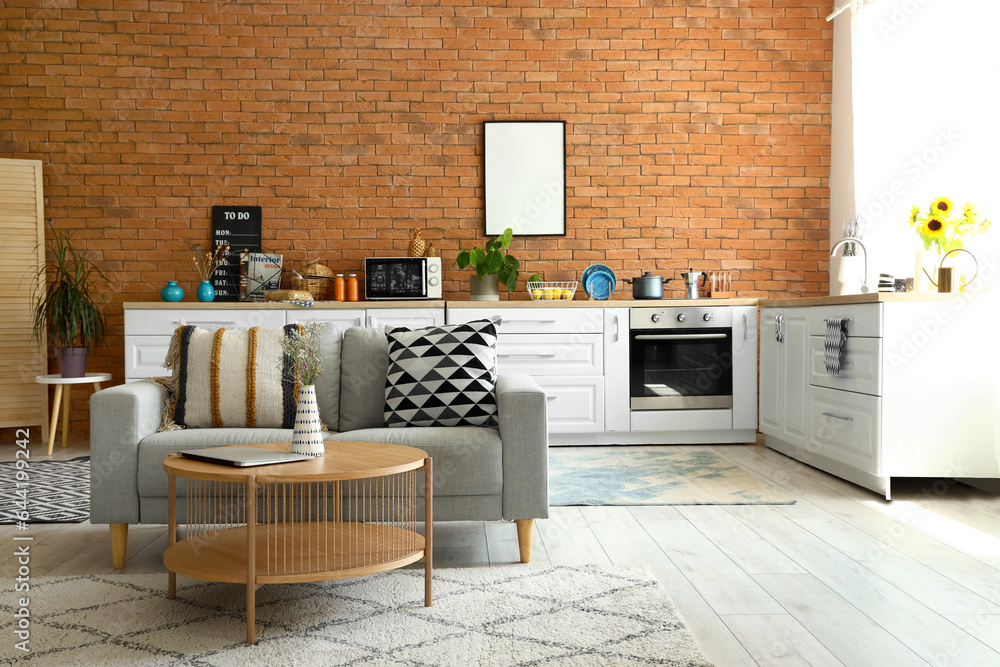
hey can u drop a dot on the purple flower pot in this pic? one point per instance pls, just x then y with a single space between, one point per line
72 361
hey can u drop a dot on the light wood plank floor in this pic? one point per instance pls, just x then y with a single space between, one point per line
840 578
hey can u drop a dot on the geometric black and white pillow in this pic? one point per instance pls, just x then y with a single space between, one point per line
442 376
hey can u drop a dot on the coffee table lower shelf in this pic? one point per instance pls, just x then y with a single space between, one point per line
318 552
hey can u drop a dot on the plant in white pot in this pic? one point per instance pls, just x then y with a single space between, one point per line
301 348
493 265
68 306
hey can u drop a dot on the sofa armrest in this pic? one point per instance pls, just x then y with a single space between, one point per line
521 412
120 417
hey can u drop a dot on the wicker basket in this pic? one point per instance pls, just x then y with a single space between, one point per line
315 280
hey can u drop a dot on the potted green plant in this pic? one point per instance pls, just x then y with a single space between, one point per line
67 306
493 265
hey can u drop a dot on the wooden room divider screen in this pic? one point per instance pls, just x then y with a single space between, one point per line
23 402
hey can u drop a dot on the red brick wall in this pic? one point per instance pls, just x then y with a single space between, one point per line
697 132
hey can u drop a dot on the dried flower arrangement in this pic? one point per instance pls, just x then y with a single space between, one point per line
206 263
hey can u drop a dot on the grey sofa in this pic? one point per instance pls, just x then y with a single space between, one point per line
479 473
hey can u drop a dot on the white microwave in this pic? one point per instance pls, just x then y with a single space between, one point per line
401 278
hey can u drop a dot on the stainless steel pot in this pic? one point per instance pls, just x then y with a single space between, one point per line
647 286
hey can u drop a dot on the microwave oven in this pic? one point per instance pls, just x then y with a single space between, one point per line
400 278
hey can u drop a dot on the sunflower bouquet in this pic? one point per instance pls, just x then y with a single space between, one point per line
943 227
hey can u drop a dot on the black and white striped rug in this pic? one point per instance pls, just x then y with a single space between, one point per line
45 491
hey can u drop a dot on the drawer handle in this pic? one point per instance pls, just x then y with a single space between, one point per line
526 355
833 416
507 321
181 323
549 398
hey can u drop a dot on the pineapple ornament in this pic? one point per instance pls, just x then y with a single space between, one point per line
417 245
431 251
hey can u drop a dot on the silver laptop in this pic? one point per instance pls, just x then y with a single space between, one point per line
242 457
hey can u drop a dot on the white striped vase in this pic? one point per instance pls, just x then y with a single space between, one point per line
307 437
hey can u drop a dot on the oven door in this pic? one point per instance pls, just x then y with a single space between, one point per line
681 369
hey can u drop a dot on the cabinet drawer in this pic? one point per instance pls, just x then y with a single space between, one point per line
343 318
846 427
860 371
545 354
411 318
574 404
144 356
163 322
866 319
536 320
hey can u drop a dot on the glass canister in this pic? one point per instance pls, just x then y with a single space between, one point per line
352 287
339 288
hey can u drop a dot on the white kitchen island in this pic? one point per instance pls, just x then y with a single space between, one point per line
915 396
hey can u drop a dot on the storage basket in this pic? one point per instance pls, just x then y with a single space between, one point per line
552 290
315 280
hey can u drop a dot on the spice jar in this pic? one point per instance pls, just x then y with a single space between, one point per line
339 288
352 287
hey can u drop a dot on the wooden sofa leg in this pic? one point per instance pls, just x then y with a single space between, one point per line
119 540
525 531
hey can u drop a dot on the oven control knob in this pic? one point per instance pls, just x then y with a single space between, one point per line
707 317
655 317
681 317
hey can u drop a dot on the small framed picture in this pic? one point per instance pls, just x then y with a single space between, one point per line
525 177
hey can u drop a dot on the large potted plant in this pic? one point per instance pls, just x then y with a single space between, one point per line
68 306
493 265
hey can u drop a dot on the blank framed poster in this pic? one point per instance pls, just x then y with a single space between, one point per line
525 174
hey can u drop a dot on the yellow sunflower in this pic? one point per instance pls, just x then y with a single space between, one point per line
914 214
933 227
941 206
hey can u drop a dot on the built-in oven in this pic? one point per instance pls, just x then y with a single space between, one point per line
681 358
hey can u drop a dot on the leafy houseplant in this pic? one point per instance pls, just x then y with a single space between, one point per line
68 306
493 260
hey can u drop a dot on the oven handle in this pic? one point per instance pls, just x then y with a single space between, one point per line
708 336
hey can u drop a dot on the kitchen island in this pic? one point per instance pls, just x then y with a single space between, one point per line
915 394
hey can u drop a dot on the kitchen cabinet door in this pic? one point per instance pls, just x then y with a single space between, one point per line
617 408
795 376
771 367
784 374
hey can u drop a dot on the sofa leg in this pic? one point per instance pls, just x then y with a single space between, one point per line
119 540
525 531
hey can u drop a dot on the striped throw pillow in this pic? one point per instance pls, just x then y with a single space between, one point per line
231 378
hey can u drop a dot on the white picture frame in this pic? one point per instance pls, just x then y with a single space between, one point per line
525 177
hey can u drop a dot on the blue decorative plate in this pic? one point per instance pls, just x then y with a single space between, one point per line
599 281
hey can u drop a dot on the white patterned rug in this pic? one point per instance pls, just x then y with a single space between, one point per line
522 615
47 492
625 475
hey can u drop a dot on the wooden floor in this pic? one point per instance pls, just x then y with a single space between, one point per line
840 578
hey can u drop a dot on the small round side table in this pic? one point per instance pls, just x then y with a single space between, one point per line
59 381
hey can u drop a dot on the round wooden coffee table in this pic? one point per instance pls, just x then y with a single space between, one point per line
349 513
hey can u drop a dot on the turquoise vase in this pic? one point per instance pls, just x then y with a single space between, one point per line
172 292
205 291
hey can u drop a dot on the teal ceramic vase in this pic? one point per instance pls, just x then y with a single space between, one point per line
205 291
172 292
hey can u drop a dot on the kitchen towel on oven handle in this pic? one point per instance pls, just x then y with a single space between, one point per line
833 345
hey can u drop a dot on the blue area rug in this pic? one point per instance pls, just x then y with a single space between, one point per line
624 475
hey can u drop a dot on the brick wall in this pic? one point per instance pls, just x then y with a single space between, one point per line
697 132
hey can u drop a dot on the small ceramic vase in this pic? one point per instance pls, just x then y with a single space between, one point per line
307 435
172 292
205 291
